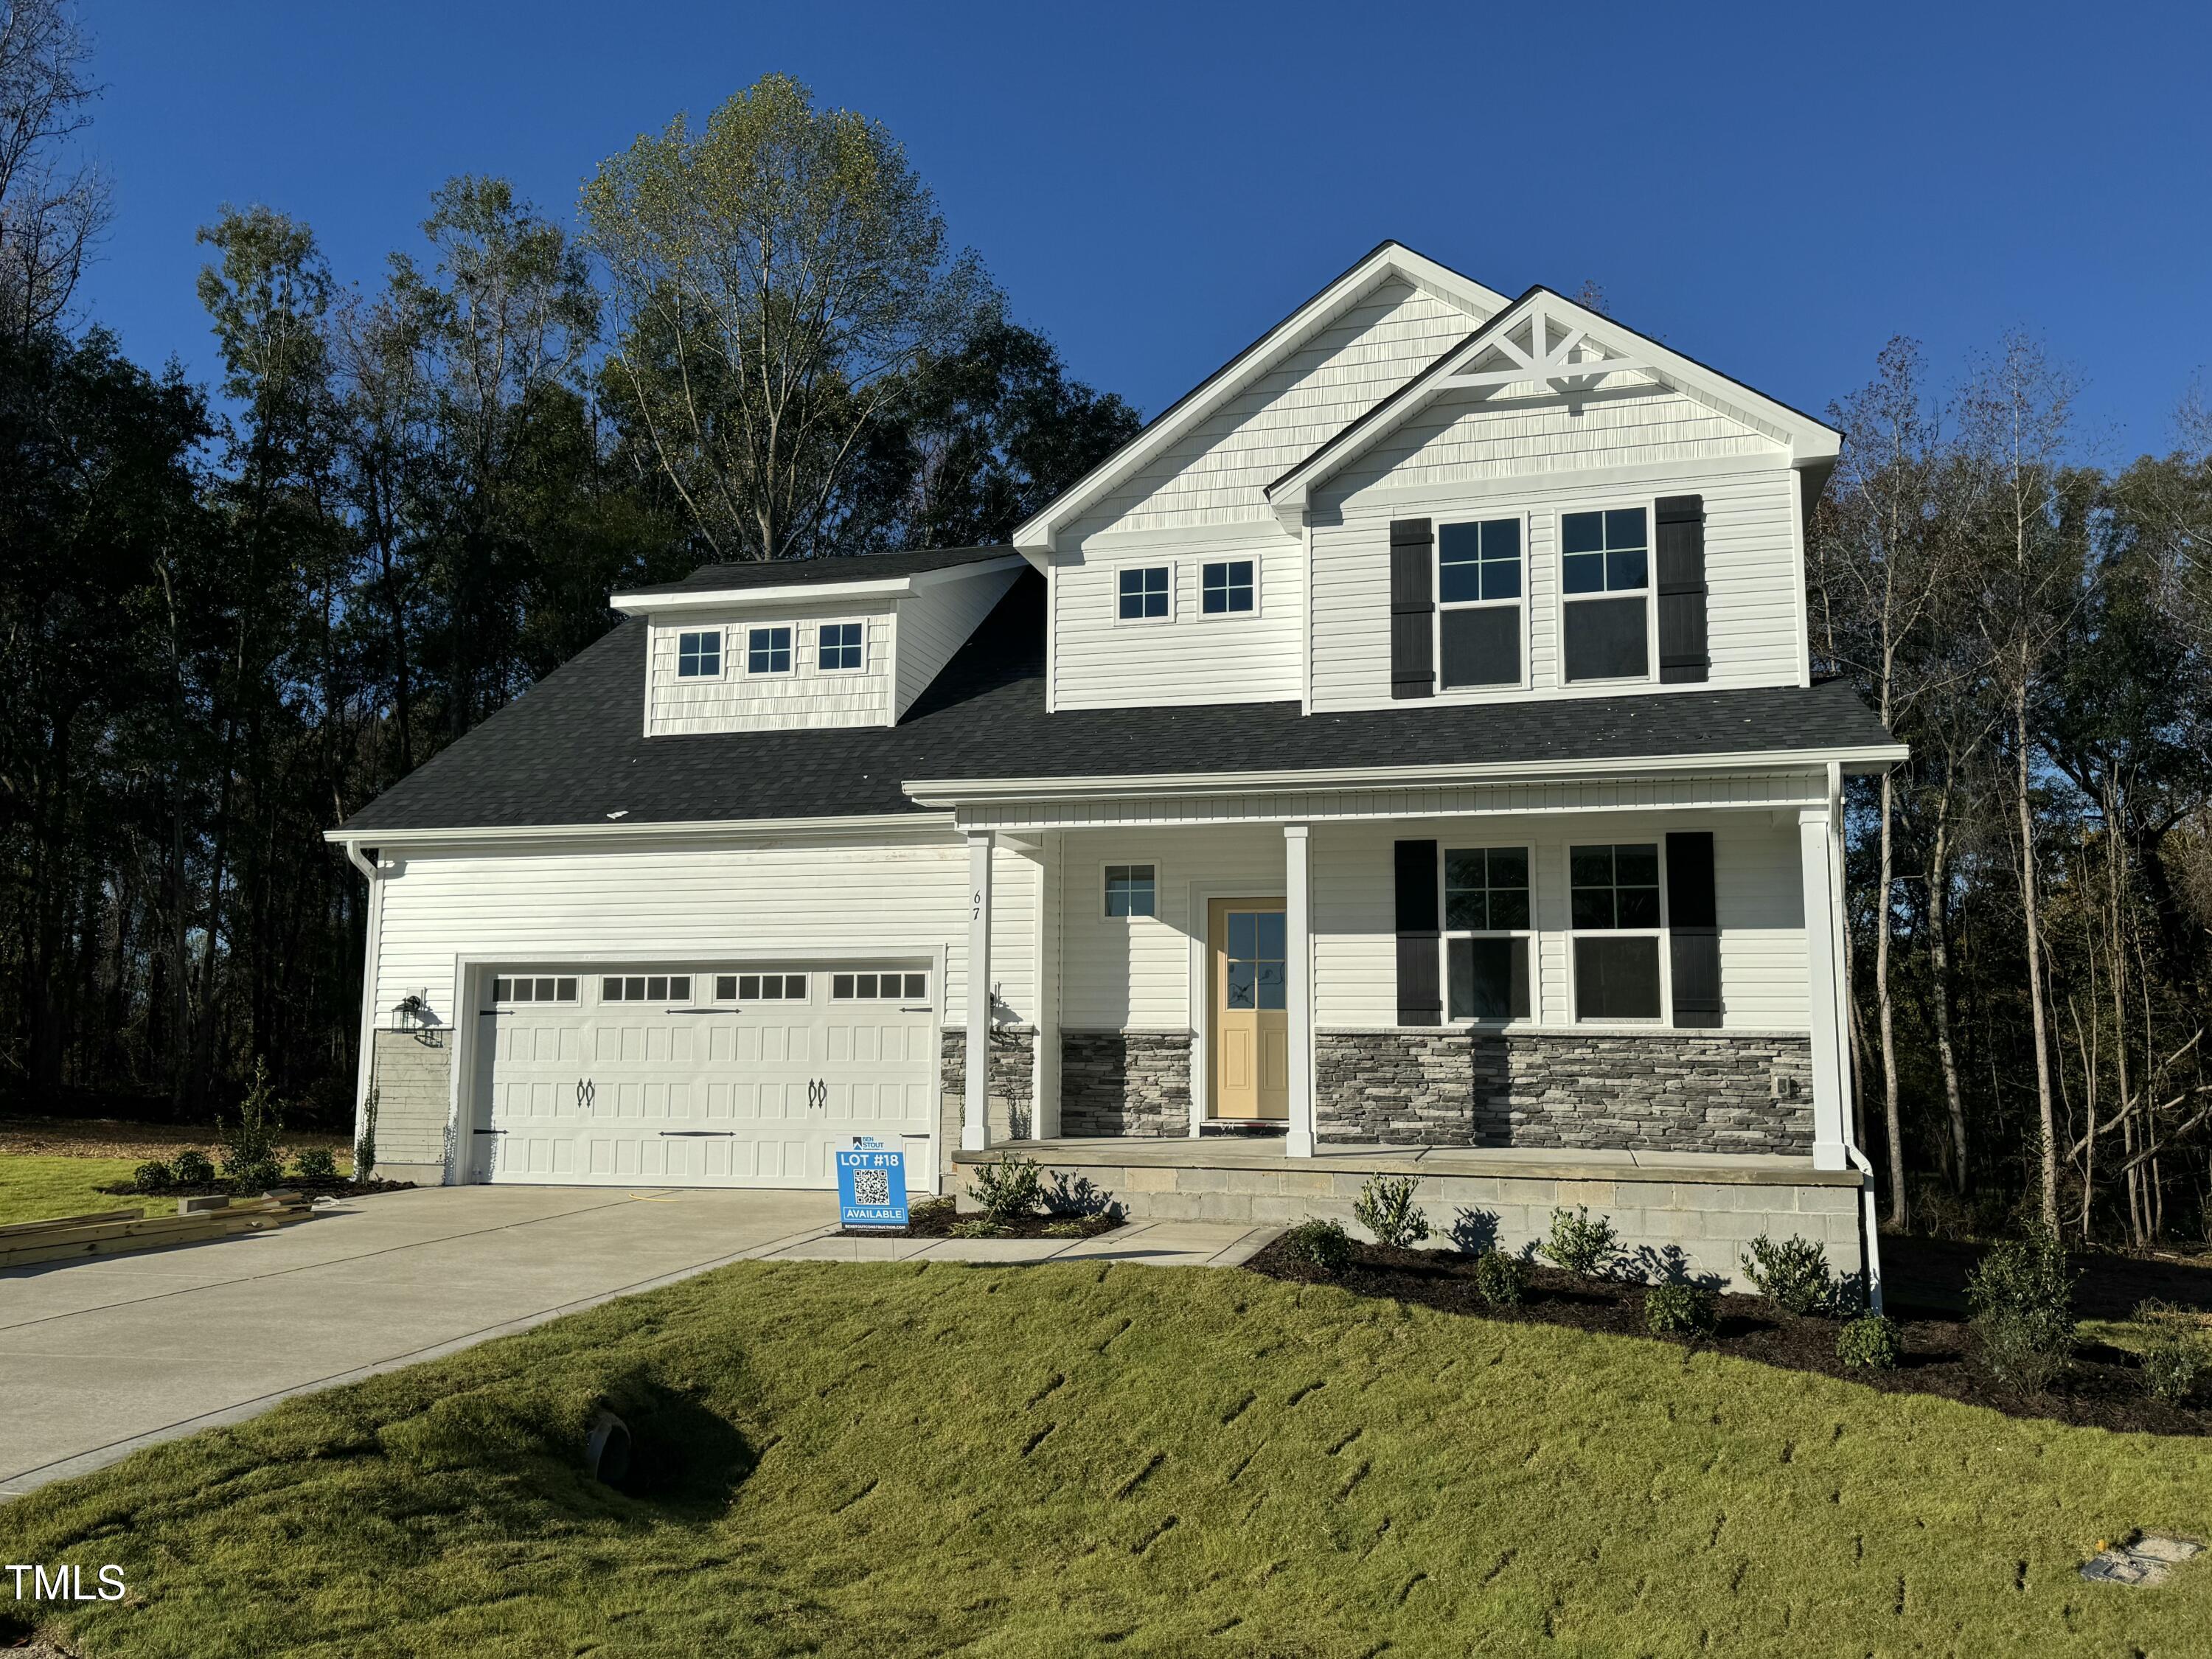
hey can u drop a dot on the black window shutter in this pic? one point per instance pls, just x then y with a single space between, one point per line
1693 930
1420 990
1413 603
1684 658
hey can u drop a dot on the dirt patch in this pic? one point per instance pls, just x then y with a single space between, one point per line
146 1142
936 1220
2102 1388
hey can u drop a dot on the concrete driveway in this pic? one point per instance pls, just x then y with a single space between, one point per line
101 1357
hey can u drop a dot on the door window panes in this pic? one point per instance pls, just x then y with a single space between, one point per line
1256 968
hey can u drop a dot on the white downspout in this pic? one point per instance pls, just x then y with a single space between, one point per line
365 1064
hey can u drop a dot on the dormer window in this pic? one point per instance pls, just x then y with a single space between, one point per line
843 647
1605 577
1144 592
768 651
1478 598
699 656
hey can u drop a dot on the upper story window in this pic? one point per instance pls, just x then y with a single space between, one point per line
767 650
1487 922
1478 598
699 656
1616 917
1605 576
1131 891
843 647
1228 587
1146 591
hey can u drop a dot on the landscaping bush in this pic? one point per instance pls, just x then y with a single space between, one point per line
1793 1275
1680 1309
249 1140
1322 1244
1385 1207
316 1163
153 1178
2022 1296
928 1211
192 1168
1070 1227
1867 1343
2176 1355
1579 1244
1501 1279
1008 1187
978 1226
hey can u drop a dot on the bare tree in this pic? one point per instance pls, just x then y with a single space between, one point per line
49 212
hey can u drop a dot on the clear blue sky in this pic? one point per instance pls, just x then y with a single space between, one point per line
1775 189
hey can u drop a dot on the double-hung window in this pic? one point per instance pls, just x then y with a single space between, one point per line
1131 890
1486 932
1478 599
843 647
1226 588
1605 587
768 651
699 656
1146 593
1615 914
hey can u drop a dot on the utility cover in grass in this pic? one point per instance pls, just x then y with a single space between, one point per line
2148 1561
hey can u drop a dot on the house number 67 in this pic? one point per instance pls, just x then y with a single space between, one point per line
975 910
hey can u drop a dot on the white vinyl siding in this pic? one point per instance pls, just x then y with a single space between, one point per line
935 622
1761 911
802 695
1100 661
687 909
1751 575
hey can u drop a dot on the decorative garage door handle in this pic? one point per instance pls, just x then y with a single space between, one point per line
818 1095
586 1092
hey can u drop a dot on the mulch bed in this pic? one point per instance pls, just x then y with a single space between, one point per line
341 1188
2102 1388
936 1221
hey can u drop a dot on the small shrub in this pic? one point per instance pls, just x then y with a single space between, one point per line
977 1226
249 1141
1793 1275
929 1211
191 1169
1867 1343
1008 1189
316 1163
1322 1244
254 1178
1579 1244
1069 1228
153 1178
1680 1309
2022 1298
2176 1355
1385 1207
1501 1279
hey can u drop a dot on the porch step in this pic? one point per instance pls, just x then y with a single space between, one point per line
1229 1129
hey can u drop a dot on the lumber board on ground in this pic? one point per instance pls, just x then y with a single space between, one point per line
69 1237
12 1228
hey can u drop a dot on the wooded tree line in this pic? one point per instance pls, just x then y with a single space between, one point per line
230 615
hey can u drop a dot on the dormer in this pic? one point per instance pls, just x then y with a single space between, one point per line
789 644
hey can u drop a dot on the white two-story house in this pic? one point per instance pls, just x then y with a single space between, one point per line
1403 754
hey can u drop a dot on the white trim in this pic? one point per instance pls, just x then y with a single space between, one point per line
1390 259
790 670
1152 914
902 826
1659 935
820 592
1214 618
1532 935
1649 505
976 1056
1168 617
721 635
1198 900
861 667
954 790
1297 949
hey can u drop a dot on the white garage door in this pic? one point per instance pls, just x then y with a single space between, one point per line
717 1077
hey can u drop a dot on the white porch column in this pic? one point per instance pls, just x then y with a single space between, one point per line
1297 950
976 1063
1818 846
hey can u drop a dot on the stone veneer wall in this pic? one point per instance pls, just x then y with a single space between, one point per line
1013 1104
1672 1091
413 1074
1124 1083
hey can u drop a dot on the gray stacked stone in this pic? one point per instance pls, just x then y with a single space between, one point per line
1013 1082
1125 1083
1660 1092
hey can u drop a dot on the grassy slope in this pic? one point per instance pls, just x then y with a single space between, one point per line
33 1188
1032 1462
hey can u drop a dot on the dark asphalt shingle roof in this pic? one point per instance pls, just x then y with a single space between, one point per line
790 573
571 751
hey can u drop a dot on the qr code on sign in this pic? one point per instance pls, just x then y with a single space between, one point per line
872 1186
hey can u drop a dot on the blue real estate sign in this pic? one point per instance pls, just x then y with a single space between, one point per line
871 1186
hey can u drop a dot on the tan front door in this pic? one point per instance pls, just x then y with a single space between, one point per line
1251 1038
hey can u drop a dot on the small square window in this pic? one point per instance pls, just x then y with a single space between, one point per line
1226 588
843 647
699 656
917 987
768 651
1145 593
841 986
1131 891
725 987
502 990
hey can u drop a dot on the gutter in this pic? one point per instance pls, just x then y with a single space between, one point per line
919 826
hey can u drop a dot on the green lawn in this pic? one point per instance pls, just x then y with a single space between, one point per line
1070 1459
32 1188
